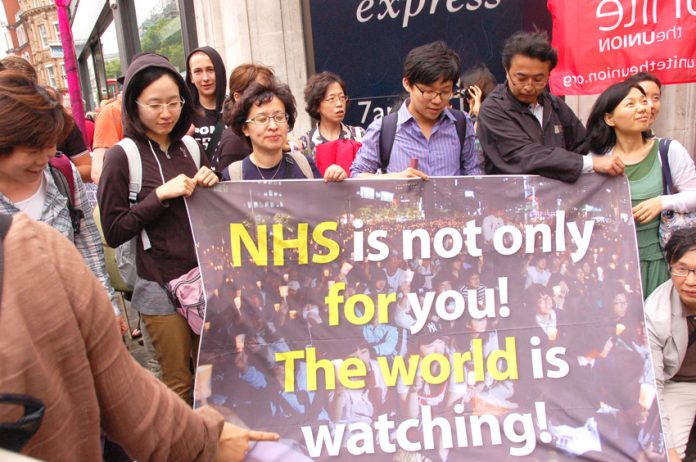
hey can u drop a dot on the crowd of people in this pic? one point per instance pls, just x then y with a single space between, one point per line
168 134
592 308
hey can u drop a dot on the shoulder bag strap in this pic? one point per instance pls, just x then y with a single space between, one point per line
215 139
667 185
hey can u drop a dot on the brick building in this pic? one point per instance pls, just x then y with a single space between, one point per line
32 33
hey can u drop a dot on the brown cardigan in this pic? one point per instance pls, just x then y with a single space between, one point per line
59 343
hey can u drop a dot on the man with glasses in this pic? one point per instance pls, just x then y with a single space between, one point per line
670 312
429 137
524 129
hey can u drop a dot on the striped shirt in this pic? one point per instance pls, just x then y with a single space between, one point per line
55 214
441 155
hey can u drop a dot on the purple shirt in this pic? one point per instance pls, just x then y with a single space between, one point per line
441 155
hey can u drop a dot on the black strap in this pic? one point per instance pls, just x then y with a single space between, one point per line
5 223
692 339
667 185
386 139
214 141
387 134
76 215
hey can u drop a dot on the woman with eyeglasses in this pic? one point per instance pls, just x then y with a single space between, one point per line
233 147
264 114
156 114
619 124
327 102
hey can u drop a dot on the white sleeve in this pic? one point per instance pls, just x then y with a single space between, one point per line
684 178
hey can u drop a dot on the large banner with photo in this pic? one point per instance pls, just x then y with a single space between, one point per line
603 42
482 318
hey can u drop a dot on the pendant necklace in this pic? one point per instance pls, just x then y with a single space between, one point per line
274 175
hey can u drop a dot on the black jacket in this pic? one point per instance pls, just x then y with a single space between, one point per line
514 143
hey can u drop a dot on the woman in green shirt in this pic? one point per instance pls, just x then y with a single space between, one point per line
619 124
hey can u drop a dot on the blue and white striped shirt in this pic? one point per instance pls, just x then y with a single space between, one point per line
440 155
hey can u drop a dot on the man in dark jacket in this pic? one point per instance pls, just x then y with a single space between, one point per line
524 129
206 79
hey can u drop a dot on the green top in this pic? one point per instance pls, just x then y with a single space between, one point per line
645 181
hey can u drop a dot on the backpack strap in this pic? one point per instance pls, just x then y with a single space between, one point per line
460 125
303 163
135 169
386 139
193 148
62 174
5 223
235 171
667 184
61 162
135 180
387 134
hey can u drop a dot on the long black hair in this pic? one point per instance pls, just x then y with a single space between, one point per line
601 137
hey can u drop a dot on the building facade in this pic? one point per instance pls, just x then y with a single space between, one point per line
34 35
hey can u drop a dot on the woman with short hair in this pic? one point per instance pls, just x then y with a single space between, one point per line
264 115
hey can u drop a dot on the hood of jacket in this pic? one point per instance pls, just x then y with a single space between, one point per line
132 127
220 77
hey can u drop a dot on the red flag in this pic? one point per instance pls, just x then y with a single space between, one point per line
602 42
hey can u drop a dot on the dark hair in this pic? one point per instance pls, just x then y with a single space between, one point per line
480 76
682 241
601 137
258 94
426 64
21 65
30 116
534 293
643 77
138 83
530 44
239 81
315 90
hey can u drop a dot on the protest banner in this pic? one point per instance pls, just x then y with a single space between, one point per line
603 42
451 319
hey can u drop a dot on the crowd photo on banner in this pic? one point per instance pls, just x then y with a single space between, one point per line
502 282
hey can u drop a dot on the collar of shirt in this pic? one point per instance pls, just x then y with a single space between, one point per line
404 114
537 110
318 138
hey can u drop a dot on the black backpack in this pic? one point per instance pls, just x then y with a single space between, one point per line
388 132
